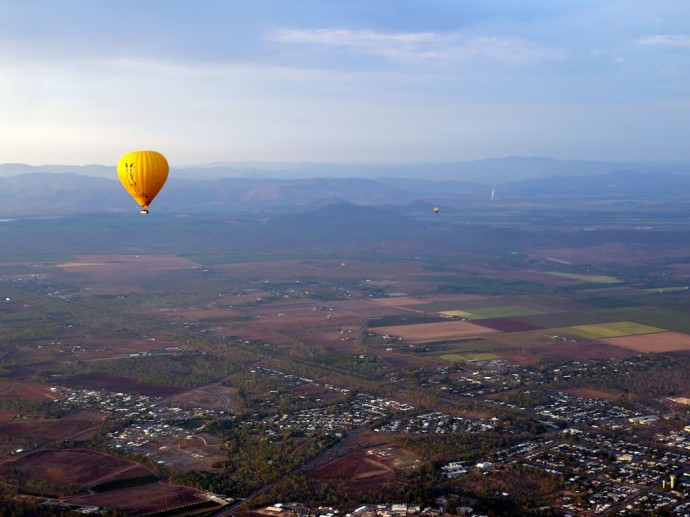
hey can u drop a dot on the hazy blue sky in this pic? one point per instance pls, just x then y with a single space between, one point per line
344 80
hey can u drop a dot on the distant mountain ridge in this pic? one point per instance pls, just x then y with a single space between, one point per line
494 171
53 193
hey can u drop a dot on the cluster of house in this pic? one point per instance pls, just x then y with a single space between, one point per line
436 423
367 510
366 409
565 407
607 474
148 418
676 439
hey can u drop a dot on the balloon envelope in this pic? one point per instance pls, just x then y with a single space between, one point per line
143 174
436 209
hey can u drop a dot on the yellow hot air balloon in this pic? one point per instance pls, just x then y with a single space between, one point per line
143 174
436 209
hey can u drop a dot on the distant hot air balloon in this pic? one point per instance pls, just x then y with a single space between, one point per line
343 264
143 174
436 210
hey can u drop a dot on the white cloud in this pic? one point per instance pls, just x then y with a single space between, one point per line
416 46
669 40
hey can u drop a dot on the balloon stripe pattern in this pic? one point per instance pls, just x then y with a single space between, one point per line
143 174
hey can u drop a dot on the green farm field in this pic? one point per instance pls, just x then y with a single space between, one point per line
590 279
608 330
654 316
675 289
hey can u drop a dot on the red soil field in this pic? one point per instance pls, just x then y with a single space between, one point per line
368 468
79 466
325 394
405 361
590 393
582 351
358 471
26 390
6 416
142 499
517 357
39 433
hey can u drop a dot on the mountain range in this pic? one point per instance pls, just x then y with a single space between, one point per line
52 190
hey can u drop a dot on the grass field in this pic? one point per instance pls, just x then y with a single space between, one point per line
608 330
461 358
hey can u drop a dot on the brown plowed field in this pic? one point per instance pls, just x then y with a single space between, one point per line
659 342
